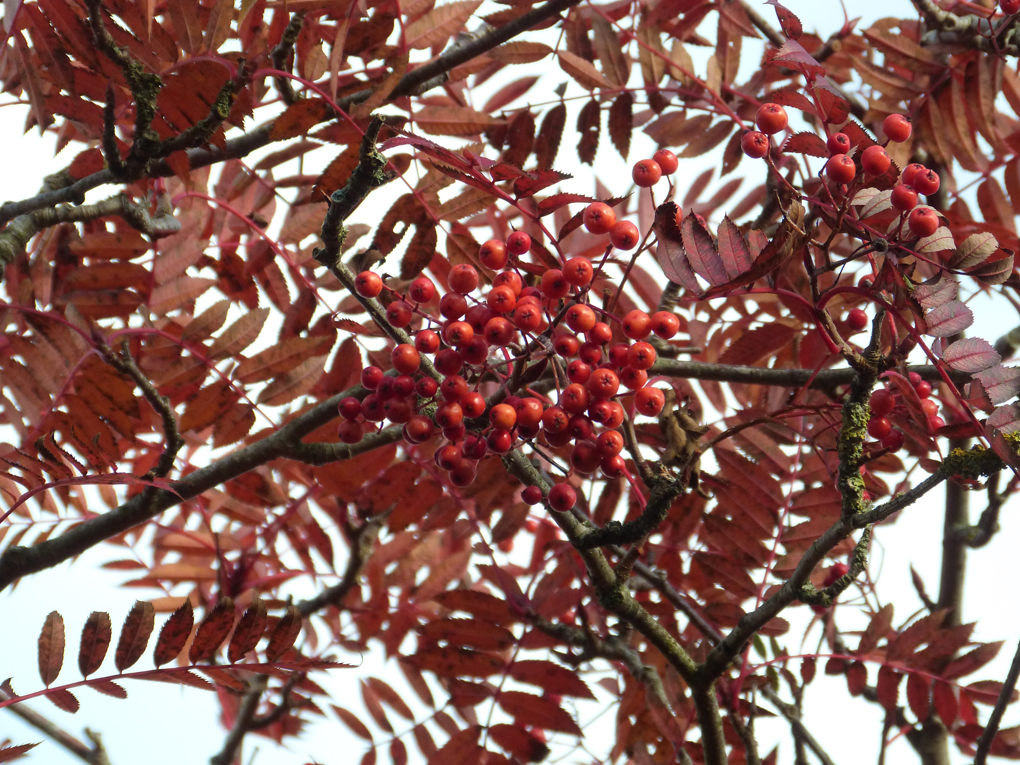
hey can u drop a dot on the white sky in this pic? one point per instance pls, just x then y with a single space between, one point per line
167 724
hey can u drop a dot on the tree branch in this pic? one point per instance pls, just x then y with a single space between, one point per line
984 744
243 721
93 755
16 562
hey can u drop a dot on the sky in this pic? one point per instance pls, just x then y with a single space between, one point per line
171 724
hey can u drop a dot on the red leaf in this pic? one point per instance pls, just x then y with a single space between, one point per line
857 678
134 635
971 354
64 700
351 721
528 709
805 143
525 746
670 251
391 697
791 25
877 628
9 753
461 749
481 605
108 688
938 292
551 678
1000 383
946 705
988 692
918 695
733 250
948 319
972 661
888 687
701 250
51 648
212 631
286 632
448 661
398 752
249 631
95 640
467 633
174 634
537 180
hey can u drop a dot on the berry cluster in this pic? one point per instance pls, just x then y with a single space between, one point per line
885 402
473 338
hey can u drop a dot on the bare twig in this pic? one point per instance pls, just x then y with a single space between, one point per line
984 743
242 723
94 755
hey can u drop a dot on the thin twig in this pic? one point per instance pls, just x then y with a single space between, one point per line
242 723
93 755
984 744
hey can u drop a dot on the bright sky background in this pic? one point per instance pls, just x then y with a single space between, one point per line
164 724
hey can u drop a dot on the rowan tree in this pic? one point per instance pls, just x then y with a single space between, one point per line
540 432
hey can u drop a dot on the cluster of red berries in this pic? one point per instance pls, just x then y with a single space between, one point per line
466 336
771 119
647 172
884 401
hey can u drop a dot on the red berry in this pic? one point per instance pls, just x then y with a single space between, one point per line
624 235
498 331
527 317
500 441
529 413
646 173
930 407
575 398
897 128
754 144
903 198
510 279
452 306
463 278
405 358
503 417
641 356
585 457
609 443
618 355
426 387
578 271
493 255
577 372
894 441
350 432
599 218
590 353
637 325
448 362
616 416
600 333
371 377
666 160
934 423
649 401
1009 6
603 383
464 474
372 408
472 404
449 415
368 284
665 324
562 497
840 168
857 319
349 408
555 420
554 285
501 299
422 290
837 572
580 317
518 243
882 402
458 333
399 313
453 388
566 345
838 143
418 429
771 118
923 389
531 495
875 160
910 171
879 427
632 378
923 221
926 182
